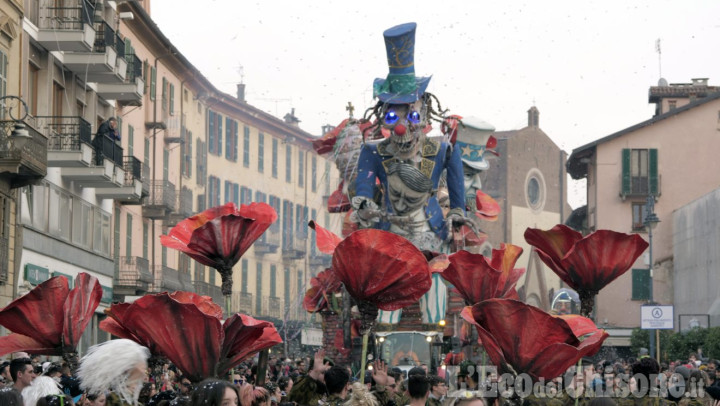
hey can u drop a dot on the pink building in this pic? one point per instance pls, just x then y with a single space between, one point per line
672 156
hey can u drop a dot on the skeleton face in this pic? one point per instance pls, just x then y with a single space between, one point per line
403 199
405 122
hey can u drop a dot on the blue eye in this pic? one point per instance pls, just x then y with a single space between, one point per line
391 117
414 117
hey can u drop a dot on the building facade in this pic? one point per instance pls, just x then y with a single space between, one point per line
670 157
74 201
696 236
528 179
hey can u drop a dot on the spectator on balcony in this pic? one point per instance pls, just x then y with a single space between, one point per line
107 129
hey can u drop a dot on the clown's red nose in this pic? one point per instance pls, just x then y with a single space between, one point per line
400 130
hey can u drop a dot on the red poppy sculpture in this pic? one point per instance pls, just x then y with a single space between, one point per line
587 264
188 330
322 290
477 278
380 270
51 318
520 338
219 236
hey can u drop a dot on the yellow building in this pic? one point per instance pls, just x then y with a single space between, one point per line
89 203
19 164
206 148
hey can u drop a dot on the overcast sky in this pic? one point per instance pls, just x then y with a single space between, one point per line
586 65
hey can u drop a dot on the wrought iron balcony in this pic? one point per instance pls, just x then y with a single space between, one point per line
107 148
134 277
294 247
161 201
137 170
27 164
166 279
69 141
206 289
131 90
184 207
134 67
134 186
242 302
320 260
273 307
66 133
269 242
67 25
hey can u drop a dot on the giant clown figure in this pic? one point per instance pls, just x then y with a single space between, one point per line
409 166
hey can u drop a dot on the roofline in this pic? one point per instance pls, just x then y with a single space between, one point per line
261 119
578 170
655 119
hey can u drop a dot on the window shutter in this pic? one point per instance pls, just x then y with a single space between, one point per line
286 288
244 274
228 138
258 287
626 185
273 281
653 172
219 135
640 284
172 99
211 132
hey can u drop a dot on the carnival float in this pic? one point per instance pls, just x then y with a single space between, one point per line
412 250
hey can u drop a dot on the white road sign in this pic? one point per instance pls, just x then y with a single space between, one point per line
657 317
311 336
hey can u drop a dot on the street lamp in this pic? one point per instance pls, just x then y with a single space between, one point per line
19 135
651 221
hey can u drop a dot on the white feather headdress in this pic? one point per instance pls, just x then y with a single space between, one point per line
109 365
39 388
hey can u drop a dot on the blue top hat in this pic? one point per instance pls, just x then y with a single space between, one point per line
401 85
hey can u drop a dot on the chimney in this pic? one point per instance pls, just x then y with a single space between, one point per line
533 117
291 119
241 92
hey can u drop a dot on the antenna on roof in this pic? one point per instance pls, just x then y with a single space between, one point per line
658 49
240 71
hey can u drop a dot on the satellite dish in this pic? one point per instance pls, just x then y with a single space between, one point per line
662 82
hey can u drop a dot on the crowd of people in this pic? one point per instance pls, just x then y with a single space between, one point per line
109 380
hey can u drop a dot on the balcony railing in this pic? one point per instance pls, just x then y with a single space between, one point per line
166 279
104 37
119 46
162 193
320 260
107 148
206 289
272 306
294 247
134 274
136 169
134 67
243 302
268 242
65 133
30 160
70 15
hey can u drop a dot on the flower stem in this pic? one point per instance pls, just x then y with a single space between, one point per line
363 358
227 281
587 302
